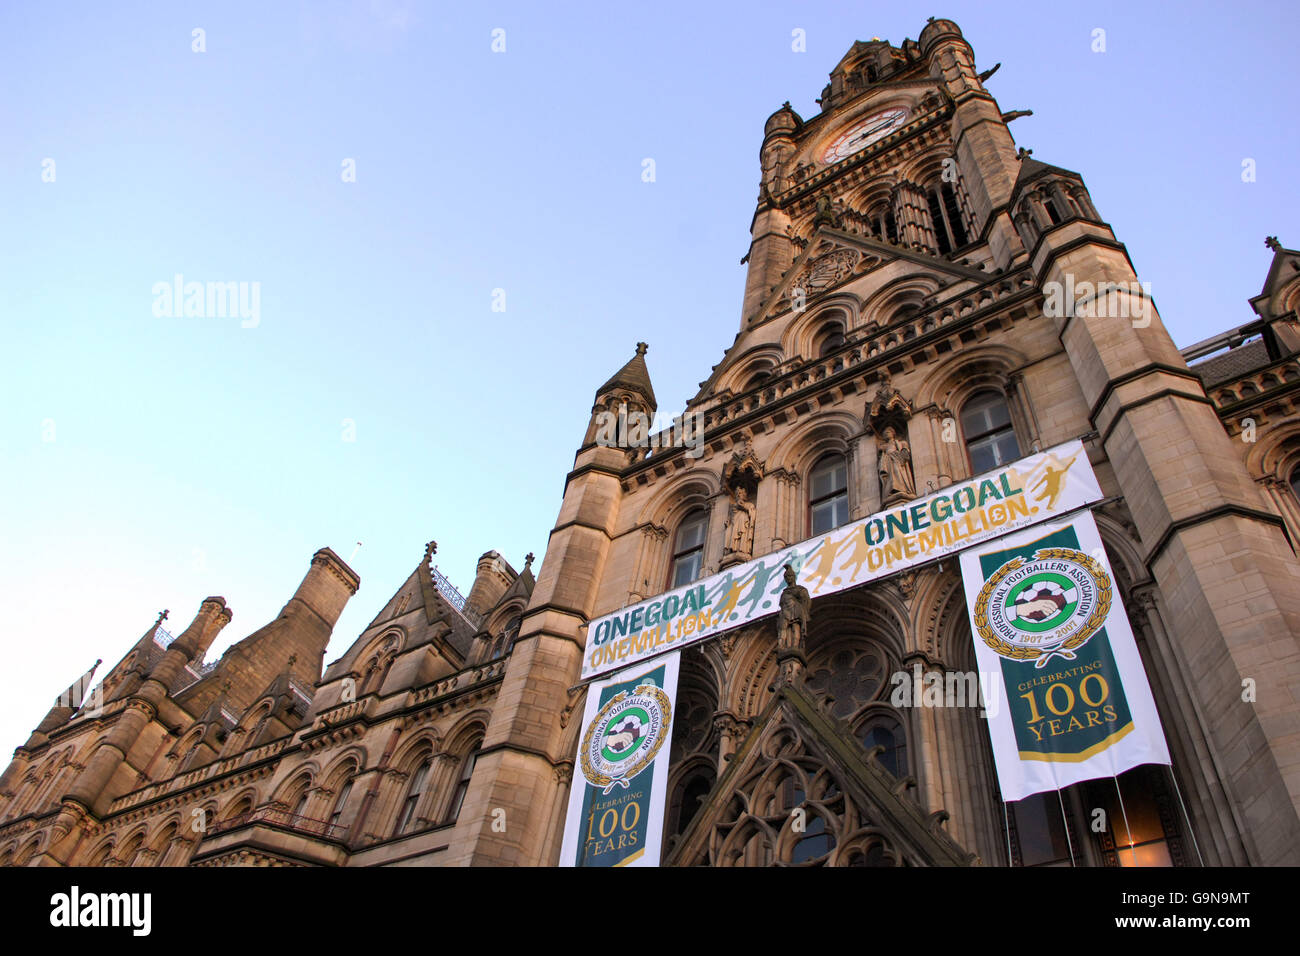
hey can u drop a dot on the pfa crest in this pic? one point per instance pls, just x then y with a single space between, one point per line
1050 605
625 736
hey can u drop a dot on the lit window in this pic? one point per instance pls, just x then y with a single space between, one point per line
688 553
828 494
990 437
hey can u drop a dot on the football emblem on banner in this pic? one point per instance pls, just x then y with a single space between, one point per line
1050 605
625 736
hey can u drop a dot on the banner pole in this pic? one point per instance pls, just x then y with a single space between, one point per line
1190 831
1066 823
1127 831
1006 825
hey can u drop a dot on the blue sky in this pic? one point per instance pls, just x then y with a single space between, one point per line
149 461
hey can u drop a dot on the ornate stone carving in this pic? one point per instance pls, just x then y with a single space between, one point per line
827 269
792 626
740 524
889 407
740 477
894 462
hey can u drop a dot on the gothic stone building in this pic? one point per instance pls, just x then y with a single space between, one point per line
901 242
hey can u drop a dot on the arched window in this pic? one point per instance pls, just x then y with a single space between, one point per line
462 784
990 437
131 850
512 629
341 803
413 794
187 757
757 380
828 494
945 214
255 735
686 800
100 857
1053 213
1295 483
816 841
376 674
887 732
688 551
830 339
300 807
163 843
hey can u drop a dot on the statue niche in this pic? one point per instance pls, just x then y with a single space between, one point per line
887 418
740 477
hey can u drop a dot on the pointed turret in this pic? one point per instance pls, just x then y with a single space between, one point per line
492 579
632 377
68 702
126 676
624 410
1275 303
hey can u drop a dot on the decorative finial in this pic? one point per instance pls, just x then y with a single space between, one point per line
528 560
1022 153
641 348
785 105
1273 244
430 550
293 659
161 617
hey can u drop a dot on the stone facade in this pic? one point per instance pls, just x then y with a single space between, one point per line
923 300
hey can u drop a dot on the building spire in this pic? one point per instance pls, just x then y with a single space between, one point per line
633 377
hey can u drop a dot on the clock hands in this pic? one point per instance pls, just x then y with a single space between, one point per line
877 128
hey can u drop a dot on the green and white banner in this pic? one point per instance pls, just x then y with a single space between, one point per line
1038 488
1054 645
616 803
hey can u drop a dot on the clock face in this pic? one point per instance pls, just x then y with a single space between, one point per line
863 133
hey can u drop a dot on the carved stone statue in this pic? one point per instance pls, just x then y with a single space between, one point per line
894 459
796 604
740 523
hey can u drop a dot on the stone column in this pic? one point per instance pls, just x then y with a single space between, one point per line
864 483
925 454
732 731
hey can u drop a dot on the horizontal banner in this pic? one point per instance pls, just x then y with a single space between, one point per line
1071 700
1037 488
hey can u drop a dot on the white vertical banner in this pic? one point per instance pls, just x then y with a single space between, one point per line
1055 647
620 777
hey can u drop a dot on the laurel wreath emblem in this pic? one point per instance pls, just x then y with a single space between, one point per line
597 776
1089 627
